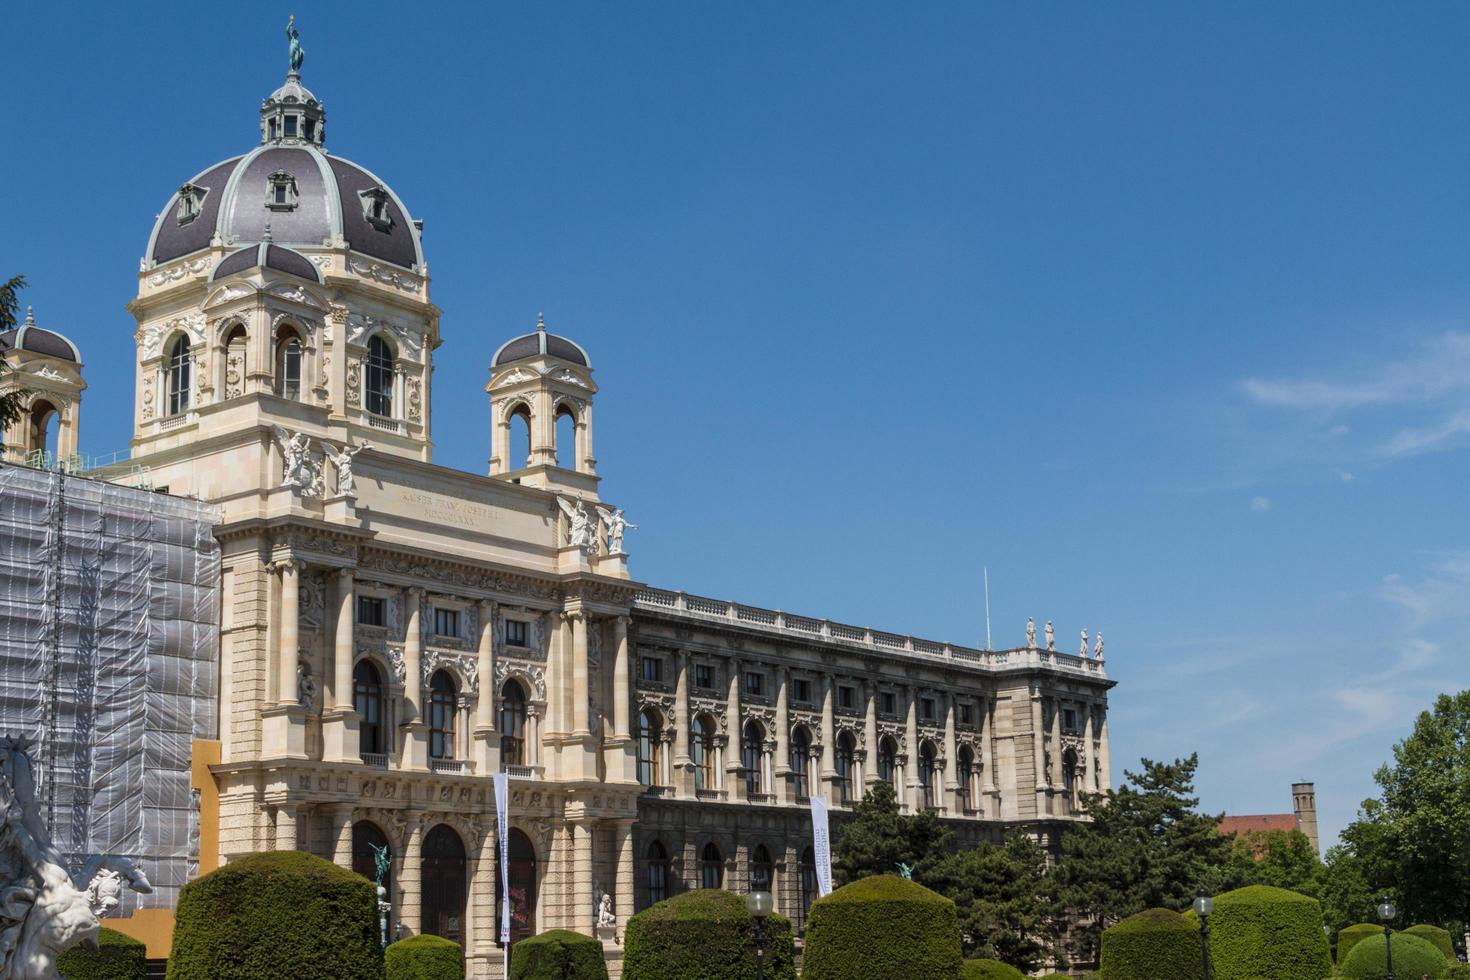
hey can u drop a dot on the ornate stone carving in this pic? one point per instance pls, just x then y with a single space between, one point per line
151 338
174 273
384 274
146 407
399 665
514 378
342 459
354 381
295 294
615 524
302 470
567 377
534 676
456 576
465 665
581 530
415 399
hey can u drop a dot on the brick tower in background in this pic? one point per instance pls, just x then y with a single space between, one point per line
1304 805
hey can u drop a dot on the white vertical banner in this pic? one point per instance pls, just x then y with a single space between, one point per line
502 826
821 845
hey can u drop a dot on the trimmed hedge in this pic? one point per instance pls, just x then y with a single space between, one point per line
275 915
882 928
1439 938
989 970
1265 933
424 957
1457 971
704 934
1412 958
558 954
1152 944
1352 935
117 957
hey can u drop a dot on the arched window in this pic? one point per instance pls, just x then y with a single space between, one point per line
1069 779
443 878
751 751
762 870
801 761
658 873
888 761
711 867
367 700
702 747
42 435
377 381
288 365
808 882
566 437
441 715
512 724
650 747
522 887
177 376
926 773
846 767
966 777
519 438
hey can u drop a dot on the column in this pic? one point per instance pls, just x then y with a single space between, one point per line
481 912
341 815
625 873
623 760
987 749
911 763
870 736
829 741
487 749
286 831
288 649
1058 774
781 765
1038 744
1089 782
580 728
1104 762
734 784
951 757
411 877
683 764
340 721
416 732
582 915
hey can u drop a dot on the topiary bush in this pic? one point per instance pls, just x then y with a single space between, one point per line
989 970
280 915
1153 944
559 954
1457 971
1265 933
882 928
1439 938
704 934
117 957
1054 976
1352 935
424 958
1412 958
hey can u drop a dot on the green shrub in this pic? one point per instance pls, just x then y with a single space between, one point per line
882 928
117 957
1412 958
1054 976
704 935
1439 938
1265 933
1457 971
275 915
559 954
989 970
424 958
1352 935
1152 944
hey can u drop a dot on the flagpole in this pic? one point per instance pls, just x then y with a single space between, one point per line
987 609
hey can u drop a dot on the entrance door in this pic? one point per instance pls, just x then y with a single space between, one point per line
444 885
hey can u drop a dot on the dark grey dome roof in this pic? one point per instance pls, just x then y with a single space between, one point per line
538 344
267 256
29 337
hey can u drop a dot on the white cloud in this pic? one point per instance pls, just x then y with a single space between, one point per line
1345 476
1260 504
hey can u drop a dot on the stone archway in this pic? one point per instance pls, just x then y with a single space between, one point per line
444 884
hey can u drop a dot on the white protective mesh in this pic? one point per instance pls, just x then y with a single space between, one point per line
121 587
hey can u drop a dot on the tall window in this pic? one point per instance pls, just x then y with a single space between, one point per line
658 873
179 364
846 774
441 715
512 724
711 867
887 762
808 881
702 747
446 622
1069 779
762 870
751 751
801 761
926 773
288 367
378 378
966 774
650 747
367 699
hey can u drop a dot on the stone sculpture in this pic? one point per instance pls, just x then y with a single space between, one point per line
296 52
1083 652
1030 633
905 871
1051 636
1098 647
42 912
582 532
301 470
342 459
104 877
605 917
305 686
616 525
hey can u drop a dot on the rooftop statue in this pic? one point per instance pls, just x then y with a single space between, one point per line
1083 651
1030 633
298 53
1051 636
1097 650
616 525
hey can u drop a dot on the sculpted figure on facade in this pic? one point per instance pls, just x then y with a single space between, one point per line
301 470
581 530
305 686
616 524
605 917
1051 636
1083 651
342 459
1030 633
1098 647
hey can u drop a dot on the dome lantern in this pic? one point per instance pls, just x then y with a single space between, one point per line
292 114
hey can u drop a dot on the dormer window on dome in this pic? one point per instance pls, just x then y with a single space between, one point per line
191 199
282 195
375 208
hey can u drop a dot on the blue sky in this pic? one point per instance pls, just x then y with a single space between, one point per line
1158 311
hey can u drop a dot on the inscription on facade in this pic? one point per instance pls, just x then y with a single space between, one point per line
445 510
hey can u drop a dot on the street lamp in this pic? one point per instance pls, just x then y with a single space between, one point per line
759 905
1386 912
1203 906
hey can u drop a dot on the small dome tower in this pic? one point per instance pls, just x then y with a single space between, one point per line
48 368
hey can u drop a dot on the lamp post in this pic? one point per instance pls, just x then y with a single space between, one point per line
759 905
1203 906
1386 913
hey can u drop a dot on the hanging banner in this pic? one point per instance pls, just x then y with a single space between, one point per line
502 826
821 847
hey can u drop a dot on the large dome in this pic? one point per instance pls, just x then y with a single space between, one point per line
306 196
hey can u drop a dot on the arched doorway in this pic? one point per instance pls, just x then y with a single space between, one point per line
522 864
443 884
366 837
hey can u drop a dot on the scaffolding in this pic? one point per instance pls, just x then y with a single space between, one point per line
109 638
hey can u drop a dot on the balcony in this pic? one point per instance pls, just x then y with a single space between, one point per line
375 760
454 766
522 772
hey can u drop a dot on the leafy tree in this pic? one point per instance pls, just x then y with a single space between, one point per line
11 407
1003 898
879 838
1279 858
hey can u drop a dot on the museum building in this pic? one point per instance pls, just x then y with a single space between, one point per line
391 632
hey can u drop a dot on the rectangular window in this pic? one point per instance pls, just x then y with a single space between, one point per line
370 610
803 691
1069 720
926 709
846 697
890 703
515 633
967 714
290 125
651 669
755 683
446 622
704 676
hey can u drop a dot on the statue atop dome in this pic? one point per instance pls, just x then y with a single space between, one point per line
298 53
